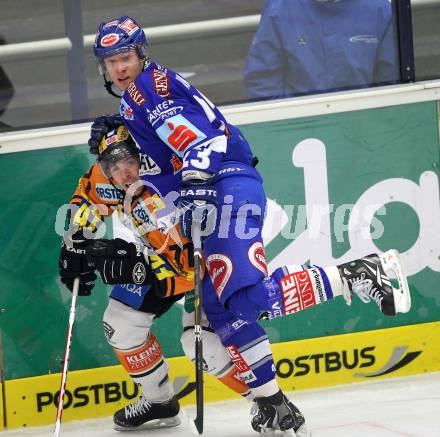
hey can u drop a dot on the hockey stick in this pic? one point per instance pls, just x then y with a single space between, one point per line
66 357
198 421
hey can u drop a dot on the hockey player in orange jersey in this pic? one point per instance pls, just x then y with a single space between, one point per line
163 272
115 185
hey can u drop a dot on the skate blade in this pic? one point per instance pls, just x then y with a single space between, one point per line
303 431
270 432
167 422
390 261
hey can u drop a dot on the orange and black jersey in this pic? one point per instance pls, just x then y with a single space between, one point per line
171 256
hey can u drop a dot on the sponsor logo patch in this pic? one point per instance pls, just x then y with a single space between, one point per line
176 163
368 39
161 83
109 40
108 192
163 111
135 94
108 330
148 166
246 373
142 213
139 273
237 359
257 257
179 133
318 284
144 358
220 270
298 292
111 140
132 288
230 170
125 110
129 26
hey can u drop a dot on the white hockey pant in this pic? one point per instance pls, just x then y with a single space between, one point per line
129 333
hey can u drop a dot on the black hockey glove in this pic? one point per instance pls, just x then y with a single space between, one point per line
73 263
120 262
101 126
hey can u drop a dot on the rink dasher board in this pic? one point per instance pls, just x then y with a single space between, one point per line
246 113
303 364
2 419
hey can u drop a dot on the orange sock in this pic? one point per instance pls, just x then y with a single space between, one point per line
233 380
143 359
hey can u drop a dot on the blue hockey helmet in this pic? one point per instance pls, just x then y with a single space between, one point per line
118 36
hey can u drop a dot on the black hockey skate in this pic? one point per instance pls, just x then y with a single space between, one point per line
277 413
144 414
369 278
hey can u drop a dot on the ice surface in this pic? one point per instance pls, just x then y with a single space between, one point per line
405 407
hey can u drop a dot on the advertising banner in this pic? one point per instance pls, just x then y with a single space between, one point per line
301 364
95 393
340 186
2 409
346 185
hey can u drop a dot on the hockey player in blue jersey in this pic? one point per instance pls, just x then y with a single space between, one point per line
208 164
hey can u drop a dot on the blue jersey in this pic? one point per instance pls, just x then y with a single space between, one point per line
178 128
306 46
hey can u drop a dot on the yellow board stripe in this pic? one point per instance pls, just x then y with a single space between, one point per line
2 418
302 364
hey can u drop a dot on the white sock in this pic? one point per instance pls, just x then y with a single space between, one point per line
335 280
265 390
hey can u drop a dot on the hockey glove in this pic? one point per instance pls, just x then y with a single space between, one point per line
120 262
197 202
101 126
73 263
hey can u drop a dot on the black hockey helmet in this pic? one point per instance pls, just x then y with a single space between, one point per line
116 145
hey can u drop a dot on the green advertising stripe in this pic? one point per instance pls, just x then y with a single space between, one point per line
34 304
351 154
390 152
